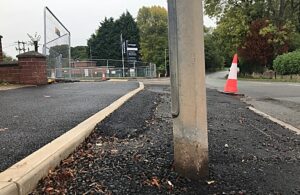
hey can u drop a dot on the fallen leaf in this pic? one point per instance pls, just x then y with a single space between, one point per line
155 182
114 151
171 186
170 183
49 189
90 156
68 160
3 129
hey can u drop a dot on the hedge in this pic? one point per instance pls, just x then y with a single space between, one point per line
288 63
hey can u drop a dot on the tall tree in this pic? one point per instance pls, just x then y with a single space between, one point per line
153 26
213 58
230 32
128 27
57 50
279 11
105 42
235 28
79 53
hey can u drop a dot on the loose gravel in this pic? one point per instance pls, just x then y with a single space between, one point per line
131 152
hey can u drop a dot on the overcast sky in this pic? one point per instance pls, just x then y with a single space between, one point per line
81 17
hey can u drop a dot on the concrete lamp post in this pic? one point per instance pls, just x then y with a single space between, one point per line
187 69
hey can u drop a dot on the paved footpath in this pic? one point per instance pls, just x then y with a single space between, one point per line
32 117
131 152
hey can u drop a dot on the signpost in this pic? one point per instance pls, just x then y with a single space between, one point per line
131 52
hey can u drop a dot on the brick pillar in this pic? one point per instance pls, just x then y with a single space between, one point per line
1 53
33 68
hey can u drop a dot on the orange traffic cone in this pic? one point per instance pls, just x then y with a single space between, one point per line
231 83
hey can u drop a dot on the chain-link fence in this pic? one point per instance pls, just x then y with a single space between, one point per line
56 43
99 68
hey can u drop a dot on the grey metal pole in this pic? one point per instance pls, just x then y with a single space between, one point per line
70 74
134 68
45 34
150 72
165 62
188 88
107 68
122 55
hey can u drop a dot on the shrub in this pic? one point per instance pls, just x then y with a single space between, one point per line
288 63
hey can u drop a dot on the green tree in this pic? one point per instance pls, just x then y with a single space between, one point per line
213 58
279 11
128 27
153 26
294 42
105 42
79 53
265 42
57 50
7 58
230 33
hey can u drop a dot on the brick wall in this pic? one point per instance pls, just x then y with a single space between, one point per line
83 64
10 72
30 69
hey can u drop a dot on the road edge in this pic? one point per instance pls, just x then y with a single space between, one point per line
22 177
286 125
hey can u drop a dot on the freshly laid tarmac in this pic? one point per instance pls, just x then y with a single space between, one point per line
32 117
131 152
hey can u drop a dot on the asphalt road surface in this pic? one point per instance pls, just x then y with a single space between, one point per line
32 117
247 153
278 99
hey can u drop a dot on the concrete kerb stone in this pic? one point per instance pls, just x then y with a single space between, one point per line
22 177
288 126
11 87
118 80
8 188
